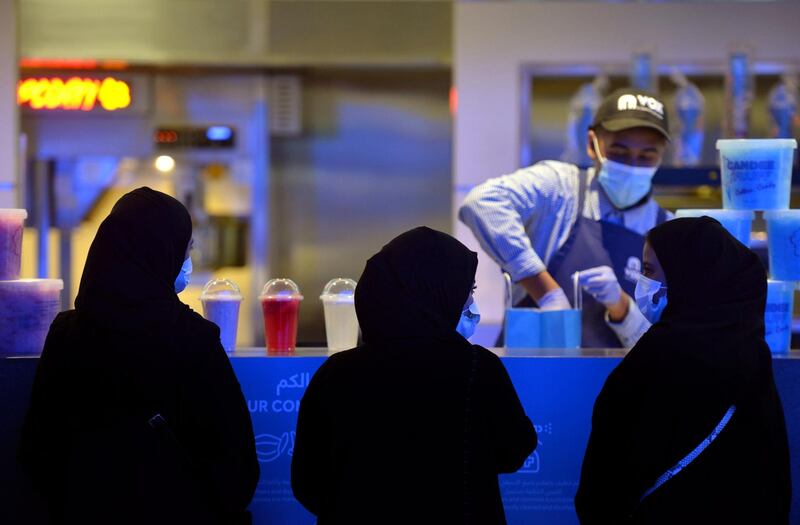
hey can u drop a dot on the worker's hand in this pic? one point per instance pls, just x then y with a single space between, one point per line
554 300
601 283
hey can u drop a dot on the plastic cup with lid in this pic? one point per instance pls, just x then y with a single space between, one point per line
280 304
27 308
756 173
12 221
783 237
737 222
221 299
778 315
341 323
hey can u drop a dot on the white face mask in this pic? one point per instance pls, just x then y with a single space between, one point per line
624 185
182 280
646 289
469 321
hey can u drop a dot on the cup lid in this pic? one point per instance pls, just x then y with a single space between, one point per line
284 289
33 284
339 289
757 143
715 212
783 285
781 214
221 289
14 213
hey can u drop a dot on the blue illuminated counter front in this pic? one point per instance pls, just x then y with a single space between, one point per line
557 388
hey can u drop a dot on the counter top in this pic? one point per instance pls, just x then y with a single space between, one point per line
253 352
501 352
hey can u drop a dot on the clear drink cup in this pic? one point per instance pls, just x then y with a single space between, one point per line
280 304
341 323
11 223
221 300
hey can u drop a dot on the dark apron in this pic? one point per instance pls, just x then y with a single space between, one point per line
590 244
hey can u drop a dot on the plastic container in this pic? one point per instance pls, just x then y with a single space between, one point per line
783 236
27 308
737 222
280 303
756 173
11 224
341 323
221 299
778 315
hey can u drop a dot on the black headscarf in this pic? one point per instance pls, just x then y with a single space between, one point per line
416 286
711 276
129 278
716 297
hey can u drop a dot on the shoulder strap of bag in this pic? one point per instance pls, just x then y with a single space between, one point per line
682 464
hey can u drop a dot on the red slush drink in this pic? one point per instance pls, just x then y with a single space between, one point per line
280 323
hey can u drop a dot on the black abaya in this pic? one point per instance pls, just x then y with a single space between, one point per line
415 425
705 354
136 415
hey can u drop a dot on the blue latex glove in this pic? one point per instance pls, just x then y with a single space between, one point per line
554 300
601 283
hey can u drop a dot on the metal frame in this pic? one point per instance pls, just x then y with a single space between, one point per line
529 71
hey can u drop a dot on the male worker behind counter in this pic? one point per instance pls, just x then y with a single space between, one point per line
545 222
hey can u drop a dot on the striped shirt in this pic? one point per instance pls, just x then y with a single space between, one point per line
521 220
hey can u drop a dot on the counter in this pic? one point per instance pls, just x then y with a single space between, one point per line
557 388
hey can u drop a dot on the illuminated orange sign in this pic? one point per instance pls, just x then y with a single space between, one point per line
74 94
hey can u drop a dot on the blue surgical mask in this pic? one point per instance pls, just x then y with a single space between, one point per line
646 289
469 320
623 184
182 280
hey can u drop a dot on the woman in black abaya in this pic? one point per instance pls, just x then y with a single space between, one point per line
415 425
136 415
698 386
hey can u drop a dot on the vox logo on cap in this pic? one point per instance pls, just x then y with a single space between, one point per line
641 103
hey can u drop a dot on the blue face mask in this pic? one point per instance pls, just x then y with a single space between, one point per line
469 320
623 184
646 290
182 280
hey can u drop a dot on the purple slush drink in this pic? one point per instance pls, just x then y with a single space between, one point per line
27 307
11 223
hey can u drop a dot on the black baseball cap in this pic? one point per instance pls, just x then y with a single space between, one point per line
628 108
